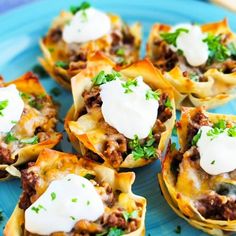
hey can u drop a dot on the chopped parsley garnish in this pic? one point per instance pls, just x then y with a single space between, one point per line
10 138
174 131
114 231
152 95
168 103
72 217
55 91
82 7
39 70
127 85
131 215
213 162
3 105
178 229
196 138
14 122
83 185
74 200
232 48
171 37
37 209
25 95
88 203
103 78
62 64
33 140
217 51
218 128
232 131
89 176
146 150
53 196
221 124
120 52
194 77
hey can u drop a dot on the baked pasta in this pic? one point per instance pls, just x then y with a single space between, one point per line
199 61
27 122
65 195
124 117
78 33
198 181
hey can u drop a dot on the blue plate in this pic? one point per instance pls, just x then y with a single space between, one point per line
20 30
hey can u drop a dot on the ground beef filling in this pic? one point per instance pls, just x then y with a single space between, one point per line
214 207
116 146
113 218
5 156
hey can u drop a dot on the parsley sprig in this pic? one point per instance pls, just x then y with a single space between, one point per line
217 129
128 84
171 37
3 105
130 215
152 95
102 77
82 7
217 51
196 138
146 150
11 138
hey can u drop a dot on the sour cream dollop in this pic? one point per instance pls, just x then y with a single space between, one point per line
65 202
11 114
86 25
130 113
192 45
217 155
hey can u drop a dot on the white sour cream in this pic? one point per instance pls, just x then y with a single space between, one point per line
192 45
130 113
217 155
65 202
11 114
86 25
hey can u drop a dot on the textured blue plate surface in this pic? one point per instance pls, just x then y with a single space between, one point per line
20 30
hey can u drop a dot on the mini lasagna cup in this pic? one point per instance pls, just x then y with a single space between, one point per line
210 84
90 133
190 180
34 131
62 60
124 212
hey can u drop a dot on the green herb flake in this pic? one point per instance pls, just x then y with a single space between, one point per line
232 48
120 52
83 186
131 215
37 209
62 64
14 122
127 85
74 200
171 37
3 105
194 77
89 176
114 231
82 7
53 196
72 217
217 51
33 140
168 103
39 70
196 138
232 131
10 138
221 124
178 229
34 103
55 91
213 162
25 95
152 95
102 77
88 203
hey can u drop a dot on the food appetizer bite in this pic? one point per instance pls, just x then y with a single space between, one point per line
199 61
27 122
64 195
199 180
76 34
124 117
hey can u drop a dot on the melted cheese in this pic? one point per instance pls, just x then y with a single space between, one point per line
130 113
191 44
65 202
86 25
11 114
217 155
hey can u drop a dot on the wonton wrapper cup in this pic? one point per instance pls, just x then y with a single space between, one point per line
29 83
216 91
52 164
63 76
178 201
85 134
